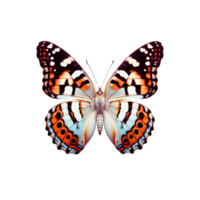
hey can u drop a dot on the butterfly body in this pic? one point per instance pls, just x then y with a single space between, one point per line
72 123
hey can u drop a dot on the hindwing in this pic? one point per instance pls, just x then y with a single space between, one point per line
71 124
128 125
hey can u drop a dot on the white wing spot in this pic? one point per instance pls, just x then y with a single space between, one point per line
49 54
76 74
52 63
68 90
128 58
145 70
149 46
147 58
50 46
57 49
65 62
147 63
142 49
54 70
129 81
52 58
131 90
70 81
123 74
134 62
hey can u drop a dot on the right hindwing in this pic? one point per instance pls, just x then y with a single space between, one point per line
128 124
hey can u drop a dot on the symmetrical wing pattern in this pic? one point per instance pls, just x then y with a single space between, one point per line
71 124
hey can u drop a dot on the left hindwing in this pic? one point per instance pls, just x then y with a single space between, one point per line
136 76
71 124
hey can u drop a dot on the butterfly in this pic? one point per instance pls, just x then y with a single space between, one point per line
72 123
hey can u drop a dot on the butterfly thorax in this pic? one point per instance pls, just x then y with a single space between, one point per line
100 103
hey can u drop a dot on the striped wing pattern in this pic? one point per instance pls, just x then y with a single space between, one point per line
63 76
128 125
137 75
71 124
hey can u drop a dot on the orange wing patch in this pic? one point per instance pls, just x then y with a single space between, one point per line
136 77
80 81
65 75
71 141
61 82
58 125
62 133
55 89
150 83
137 131
141 114
56 115
85 87
116 83
114 86
144 89
148 75
83 83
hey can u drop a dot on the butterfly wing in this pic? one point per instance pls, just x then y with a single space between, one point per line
128 124
71 124
136 76
63 76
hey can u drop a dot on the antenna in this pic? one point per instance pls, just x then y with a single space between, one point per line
91 70
107 72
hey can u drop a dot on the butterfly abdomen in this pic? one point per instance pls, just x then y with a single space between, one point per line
100 124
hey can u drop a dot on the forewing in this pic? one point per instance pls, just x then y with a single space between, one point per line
63 76
137 75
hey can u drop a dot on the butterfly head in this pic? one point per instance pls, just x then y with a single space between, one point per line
99 91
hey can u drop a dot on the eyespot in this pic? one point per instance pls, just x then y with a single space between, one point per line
74 140
68 137
58 115
136 131
140 125
59 125
62 131
125 140
131 136
141 115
